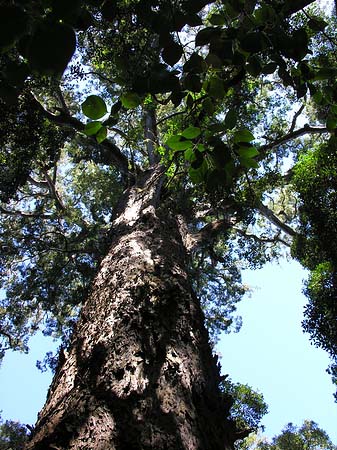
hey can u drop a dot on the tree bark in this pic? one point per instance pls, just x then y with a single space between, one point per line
139 373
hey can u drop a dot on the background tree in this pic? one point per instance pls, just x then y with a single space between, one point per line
158 162
307 437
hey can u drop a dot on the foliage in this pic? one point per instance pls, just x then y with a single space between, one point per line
93 94
307 437
315 181
13 435
247 406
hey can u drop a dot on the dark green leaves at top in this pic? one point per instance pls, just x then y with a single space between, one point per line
94 107
13 24
51 48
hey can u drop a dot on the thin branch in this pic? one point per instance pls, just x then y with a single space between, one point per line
269 214
293 135
170 116
60 97
24 214
296 115
261 239
36 183
52 189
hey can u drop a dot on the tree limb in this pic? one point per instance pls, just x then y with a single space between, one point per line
261 239
110 152
24 214
52 189
293 135
268 214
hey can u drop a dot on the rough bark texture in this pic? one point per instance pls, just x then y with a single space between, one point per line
139 373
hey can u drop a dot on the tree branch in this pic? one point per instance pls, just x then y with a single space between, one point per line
24 214
293 135
268 214
206 236
261 239
296 115
52 189
150 134
110 152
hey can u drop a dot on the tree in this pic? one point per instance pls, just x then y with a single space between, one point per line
13 435
138 178
307 437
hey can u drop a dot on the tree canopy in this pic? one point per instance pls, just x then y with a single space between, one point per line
237 102
306 437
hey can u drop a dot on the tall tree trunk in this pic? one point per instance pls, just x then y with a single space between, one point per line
139 373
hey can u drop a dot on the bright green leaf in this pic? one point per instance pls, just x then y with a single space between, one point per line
94 107
249 163
101 135
92 128
130 100
191 132
189 155
248 152
175 143
201 147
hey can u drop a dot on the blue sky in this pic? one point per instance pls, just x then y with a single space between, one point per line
270 353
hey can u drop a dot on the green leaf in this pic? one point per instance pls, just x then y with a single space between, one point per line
176 143
191 132
130 100
253 42
94 107
217 19
231 119
249 163
92 128
201 147
243 136
269 68
51 48
189 155
317 24
172 53
101 135
205 35
331 122
195 64
254 67
248 152
208 106
198 175
216 87
192 82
